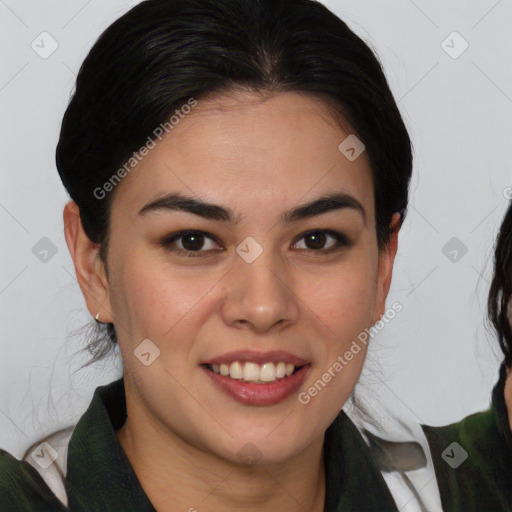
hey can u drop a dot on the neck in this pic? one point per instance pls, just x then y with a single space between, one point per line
176 475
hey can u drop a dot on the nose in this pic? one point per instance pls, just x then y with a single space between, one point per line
260 295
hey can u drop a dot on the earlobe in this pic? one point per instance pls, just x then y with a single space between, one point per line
89 268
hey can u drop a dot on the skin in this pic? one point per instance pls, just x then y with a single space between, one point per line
508 396
259 157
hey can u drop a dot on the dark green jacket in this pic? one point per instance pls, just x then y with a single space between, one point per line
473 458
100 478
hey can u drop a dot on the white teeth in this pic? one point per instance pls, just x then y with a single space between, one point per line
280 370
236 370
268 372
253 372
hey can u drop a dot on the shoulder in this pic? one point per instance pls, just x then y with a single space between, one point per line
37 482
472 463
474 431
23 489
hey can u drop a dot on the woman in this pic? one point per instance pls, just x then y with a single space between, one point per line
473 458
239 173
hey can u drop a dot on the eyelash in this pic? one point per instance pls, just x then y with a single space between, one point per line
341 239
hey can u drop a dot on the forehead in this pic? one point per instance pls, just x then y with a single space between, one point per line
250 150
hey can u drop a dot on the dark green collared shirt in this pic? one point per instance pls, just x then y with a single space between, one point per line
475 473
99 476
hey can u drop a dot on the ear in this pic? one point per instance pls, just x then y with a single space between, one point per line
386 259
89 269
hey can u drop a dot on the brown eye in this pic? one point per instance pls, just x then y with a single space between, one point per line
315 240
191 242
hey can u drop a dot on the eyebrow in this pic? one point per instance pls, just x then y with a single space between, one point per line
324 204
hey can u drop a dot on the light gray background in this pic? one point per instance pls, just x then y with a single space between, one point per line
436 357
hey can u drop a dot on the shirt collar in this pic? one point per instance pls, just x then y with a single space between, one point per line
100 476
396 439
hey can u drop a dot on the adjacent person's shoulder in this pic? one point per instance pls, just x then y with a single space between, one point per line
473 430
473 459
23 489
465 442
470 464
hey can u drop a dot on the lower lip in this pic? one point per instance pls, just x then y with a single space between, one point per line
250 393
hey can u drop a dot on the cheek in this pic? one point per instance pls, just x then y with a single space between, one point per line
157 300
343 303
344 298
136 297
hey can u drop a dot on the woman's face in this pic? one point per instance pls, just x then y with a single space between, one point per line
254 288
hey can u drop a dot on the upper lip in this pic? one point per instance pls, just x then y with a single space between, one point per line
257 357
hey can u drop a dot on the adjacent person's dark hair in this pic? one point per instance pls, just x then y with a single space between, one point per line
500 294
162 53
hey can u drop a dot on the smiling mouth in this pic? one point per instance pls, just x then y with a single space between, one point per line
253 372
